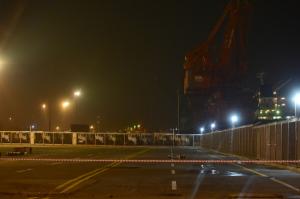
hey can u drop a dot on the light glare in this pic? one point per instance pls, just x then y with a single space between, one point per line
77 93
202 129
234 119
212 126
65 104
296 98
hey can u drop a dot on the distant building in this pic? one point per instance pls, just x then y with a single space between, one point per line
271 106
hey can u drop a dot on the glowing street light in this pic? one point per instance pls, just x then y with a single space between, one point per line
92 127
296 100
77 93
31 127
46 109
202 130
65 104
44 106
212 126
234 119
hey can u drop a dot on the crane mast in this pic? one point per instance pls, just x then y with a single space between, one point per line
214 69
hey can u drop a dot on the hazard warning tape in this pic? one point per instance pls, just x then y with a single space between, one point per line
152 161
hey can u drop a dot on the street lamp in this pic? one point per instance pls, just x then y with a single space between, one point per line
234 119
212 126
77 93
92 128
202 129
65 104
31 127
296 100
46 109
44 106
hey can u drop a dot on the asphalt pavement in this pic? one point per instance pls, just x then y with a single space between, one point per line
48 178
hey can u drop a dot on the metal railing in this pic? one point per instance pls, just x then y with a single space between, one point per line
273 141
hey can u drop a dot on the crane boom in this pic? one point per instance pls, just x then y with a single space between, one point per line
213 69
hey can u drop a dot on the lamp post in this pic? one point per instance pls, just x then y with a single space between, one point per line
46 108
296 100
76 94
173 142
202 129
212 126
234 119
64 106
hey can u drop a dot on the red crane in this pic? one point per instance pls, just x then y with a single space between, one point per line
214 66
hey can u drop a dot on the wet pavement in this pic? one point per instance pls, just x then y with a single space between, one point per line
42 179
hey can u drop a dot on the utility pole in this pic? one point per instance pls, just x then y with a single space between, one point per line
178 110
49 117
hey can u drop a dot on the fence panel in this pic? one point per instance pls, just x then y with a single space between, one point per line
291 141
298 140
278 141
285 141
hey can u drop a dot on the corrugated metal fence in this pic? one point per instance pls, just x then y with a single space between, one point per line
274 141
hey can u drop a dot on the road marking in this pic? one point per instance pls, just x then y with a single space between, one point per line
24 170
81 176
273 179
56 163
96 170
251 170
173 171
174 185
263 175
70 184
285 184
86 178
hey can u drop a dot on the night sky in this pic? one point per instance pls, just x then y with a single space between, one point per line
126 56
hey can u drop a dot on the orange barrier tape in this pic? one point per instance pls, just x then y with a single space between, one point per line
150 161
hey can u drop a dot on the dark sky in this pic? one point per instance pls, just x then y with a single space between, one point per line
125 55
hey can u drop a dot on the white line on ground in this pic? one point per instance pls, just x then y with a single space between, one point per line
174 185
273 179
56 163
285 184
23 170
